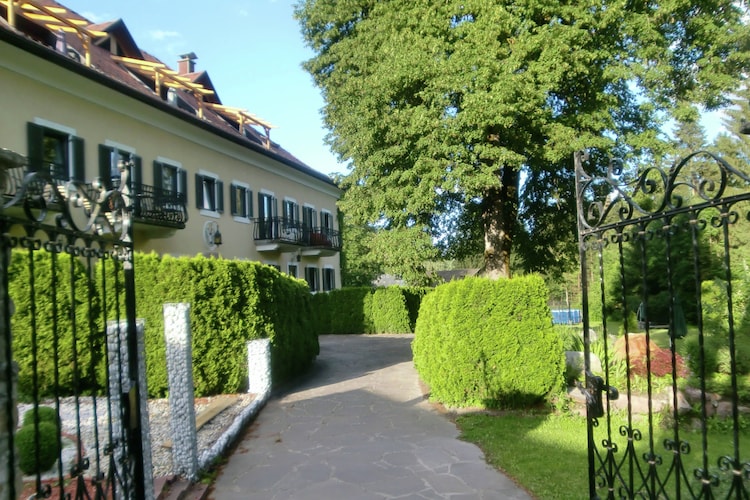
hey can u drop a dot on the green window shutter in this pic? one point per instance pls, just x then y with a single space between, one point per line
136 176
233 192
249 203
182 183
219 196
105 165
198 191
157 174
79 162
35 146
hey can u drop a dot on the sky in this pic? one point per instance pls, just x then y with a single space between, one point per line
252 50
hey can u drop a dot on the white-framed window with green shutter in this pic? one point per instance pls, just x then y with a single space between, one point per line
56 150
312 276
209 193
241 201
329 279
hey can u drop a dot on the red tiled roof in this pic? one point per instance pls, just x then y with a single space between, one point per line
103 63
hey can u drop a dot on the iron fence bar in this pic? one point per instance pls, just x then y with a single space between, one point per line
53 249
578 158
628 384
676 457
736 468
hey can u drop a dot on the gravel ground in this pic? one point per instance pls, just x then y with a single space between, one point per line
158 411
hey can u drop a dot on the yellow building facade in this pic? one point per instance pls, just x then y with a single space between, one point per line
83 102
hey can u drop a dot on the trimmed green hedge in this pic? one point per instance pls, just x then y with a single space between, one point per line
358 310
488 343
231 302
43 326
389 311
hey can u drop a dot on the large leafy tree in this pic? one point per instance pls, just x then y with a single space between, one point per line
460 118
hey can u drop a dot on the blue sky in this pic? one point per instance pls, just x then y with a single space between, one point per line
252 50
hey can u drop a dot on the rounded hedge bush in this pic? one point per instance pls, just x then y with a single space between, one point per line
488 343
46 414
31 460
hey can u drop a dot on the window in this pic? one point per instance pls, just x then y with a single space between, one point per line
56 150
291 212
112 159
311 276
292 270
326 221
170 176
241 198
267 227
308 217
329 279
209 193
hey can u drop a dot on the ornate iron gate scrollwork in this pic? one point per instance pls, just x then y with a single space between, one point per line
647 242
72 242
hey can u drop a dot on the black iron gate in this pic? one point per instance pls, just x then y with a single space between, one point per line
67 323
666 328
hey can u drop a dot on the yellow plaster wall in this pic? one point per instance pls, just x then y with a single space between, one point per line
33 88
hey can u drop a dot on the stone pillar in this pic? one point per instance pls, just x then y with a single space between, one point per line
10 476
181 392
259 366
119 384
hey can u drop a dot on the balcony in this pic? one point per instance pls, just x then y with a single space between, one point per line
159 207
278 235
152 207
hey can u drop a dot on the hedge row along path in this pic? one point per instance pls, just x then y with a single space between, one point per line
358 426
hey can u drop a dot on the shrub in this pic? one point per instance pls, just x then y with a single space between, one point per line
33 460
492 343
389 311
46 414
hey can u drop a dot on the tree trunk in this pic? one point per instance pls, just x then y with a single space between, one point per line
500 209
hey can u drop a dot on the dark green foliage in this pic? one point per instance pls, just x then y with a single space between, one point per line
348 311
490 343
33 460
56 323
358 310
470 112
414 296
46 414
389 311
321 317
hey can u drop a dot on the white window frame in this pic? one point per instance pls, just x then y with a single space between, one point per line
64 130
205 211
317 279
248 201
323 278
168 162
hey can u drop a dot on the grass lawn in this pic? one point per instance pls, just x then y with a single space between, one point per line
547 454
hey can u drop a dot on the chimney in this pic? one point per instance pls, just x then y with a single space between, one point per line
187 63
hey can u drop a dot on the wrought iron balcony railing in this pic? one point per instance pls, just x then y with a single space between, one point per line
285 232
151 205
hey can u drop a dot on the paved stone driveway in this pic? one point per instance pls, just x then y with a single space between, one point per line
358 428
